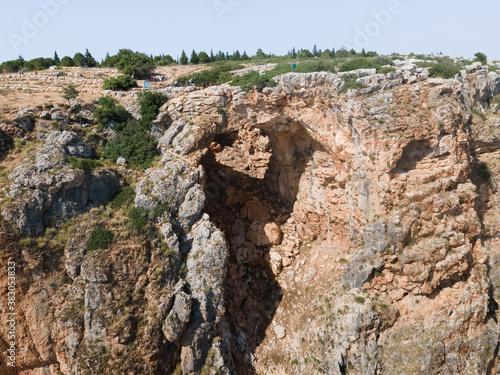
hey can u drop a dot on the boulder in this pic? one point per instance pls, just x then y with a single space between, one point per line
264 234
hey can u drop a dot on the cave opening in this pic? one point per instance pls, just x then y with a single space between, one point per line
251 186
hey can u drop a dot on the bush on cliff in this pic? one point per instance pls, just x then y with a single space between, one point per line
124 198
150 103
134 143
100 238
109 111
445 69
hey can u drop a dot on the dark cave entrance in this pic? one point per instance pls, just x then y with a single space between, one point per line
240 204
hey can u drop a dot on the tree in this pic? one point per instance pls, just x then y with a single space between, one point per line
342 53
315 51
194 58
481 57
89 60
21 61
134 63
305 54
70 92
56 58
184 59
79 59
67 61
245 56
203 57
363 52
260 54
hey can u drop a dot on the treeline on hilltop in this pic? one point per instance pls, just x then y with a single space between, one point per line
137 65
140 64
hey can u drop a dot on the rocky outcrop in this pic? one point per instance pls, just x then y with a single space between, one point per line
46 189
297 227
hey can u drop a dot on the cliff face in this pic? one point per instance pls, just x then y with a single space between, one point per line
308 231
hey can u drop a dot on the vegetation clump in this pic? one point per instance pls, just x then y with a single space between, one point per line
120 83
100 239
86 164
134 143
150 103
444 69
124 198
109 111
70 92
139 217
351 82
219 74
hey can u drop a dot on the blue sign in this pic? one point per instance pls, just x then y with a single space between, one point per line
294 66
147 85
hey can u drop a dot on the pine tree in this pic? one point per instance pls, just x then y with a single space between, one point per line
212 57
57 60
363 53
245 56
184 59
260 54
315 51
194 58
89 60
294 53
333 52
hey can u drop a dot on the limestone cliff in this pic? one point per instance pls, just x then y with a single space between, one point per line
307 231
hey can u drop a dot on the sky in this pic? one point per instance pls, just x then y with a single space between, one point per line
37 28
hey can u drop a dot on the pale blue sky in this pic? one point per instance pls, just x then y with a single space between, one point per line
168 26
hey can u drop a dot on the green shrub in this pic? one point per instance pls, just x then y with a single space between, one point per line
350 82
100 238
139 217
86 164
70 92
150 103
385 70
219 74
315 66
359 63
120 83
383 61
124 198
359 299
110 111
481 57
159 210
134 143
252 79
445 69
